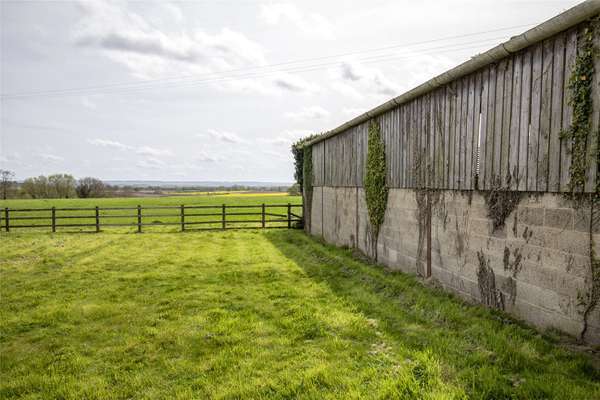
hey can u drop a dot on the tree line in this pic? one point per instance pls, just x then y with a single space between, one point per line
54 186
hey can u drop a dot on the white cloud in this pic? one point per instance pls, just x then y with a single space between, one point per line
313 112
51 157
87 103
151 151
227 137
354 111
151 162
288 137
293 83
142 150
109 143
352 74
173 10
149 53
310 24
204 157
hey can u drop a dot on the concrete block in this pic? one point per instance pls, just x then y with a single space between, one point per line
531 215
567 241
582 219
561 218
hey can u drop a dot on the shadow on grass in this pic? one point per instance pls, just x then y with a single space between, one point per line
486 352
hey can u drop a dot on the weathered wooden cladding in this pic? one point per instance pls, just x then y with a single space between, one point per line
500 125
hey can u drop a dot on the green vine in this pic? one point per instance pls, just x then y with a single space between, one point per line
376 191
307 172
580 99
580 135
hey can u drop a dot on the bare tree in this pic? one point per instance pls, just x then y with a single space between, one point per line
90 187
6 182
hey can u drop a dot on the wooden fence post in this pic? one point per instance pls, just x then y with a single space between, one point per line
263 216
7 224
139 218
53 219
182 218
97 219
289 212
223 217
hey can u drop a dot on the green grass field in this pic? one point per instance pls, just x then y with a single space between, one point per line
253 315
160 218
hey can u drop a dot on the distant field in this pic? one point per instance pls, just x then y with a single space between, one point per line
253 315
221 194
158 216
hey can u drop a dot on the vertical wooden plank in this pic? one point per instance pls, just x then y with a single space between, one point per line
443 178
452 92
534 132
428 140
409 146
515 114
445 135
594 140
567 116
402 131
182 217
423 140
139 218
469 132
524 120
506 120
545 114
464 109
422 143
396 153
223 216
392 140
453 134
498 120
389 148
97 215
431 143
416 143
485 81
556 113
491 123
457 135
440 139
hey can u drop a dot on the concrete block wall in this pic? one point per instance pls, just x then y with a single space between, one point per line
534 267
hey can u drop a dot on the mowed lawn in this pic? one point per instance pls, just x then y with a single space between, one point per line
253 315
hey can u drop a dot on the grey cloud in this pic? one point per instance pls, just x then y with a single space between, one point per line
146 45
349 73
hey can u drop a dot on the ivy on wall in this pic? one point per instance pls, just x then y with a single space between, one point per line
580 131
307 172
376 191
298 154
580 135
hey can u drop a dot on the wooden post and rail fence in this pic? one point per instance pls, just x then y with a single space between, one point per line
187 217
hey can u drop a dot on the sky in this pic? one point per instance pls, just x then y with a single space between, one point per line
218 89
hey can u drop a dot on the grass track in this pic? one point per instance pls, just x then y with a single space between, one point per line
238 315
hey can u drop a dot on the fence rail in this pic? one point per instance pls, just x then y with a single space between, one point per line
187 217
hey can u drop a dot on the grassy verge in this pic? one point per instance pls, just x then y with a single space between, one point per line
252 315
